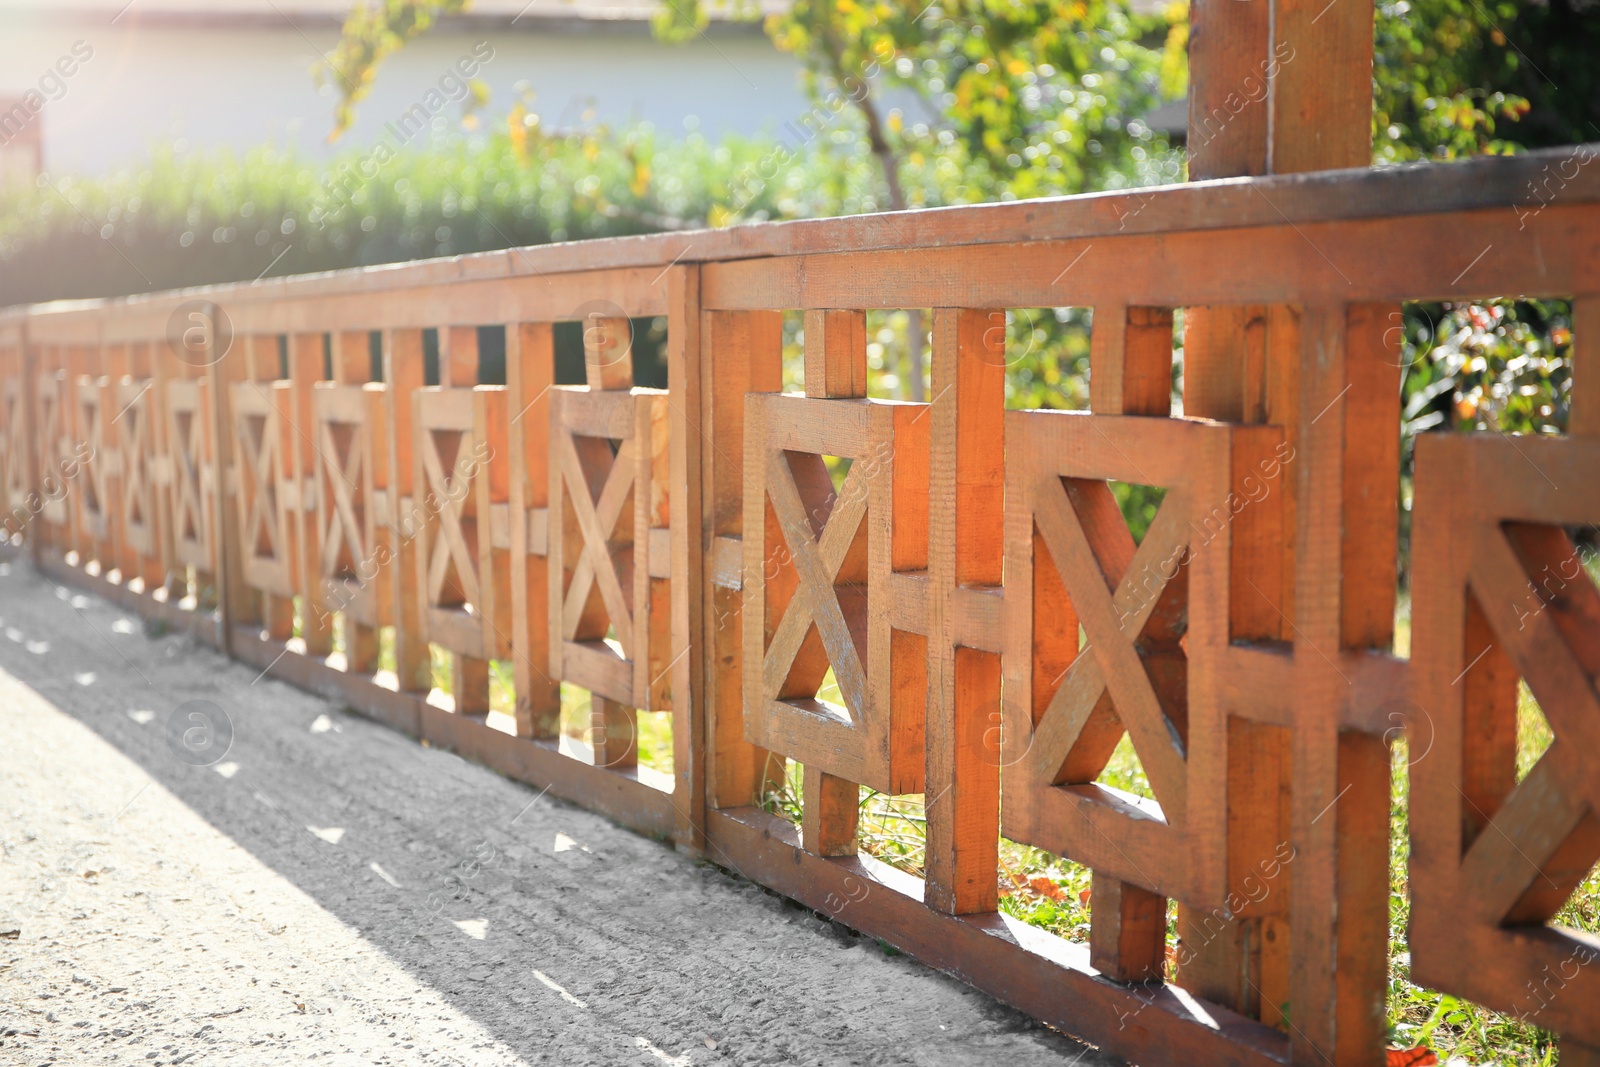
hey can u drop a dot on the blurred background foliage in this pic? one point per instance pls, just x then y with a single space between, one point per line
965 101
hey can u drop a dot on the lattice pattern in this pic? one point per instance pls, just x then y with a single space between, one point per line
55 449
462 474
820 568
608 493
1155 619
93 493
355 549
1502 593
137 519
15 479
262 445
189 435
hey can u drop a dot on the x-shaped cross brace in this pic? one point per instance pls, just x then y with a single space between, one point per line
343 472
818 561
1114 610
597 520
260 448
452 544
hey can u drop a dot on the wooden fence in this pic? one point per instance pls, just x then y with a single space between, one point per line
248 462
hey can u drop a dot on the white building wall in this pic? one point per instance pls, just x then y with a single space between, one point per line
206 86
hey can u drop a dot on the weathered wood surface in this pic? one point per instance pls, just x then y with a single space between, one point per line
993 626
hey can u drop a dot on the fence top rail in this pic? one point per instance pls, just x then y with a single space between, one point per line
1521 184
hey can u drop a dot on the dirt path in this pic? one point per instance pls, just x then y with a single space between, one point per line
334 892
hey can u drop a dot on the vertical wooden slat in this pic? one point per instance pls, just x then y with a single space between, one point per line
1340 818
493 486
1369 523
1371 412
352 365
836 366
239 603
1320 690
530 371
1583 423
307 359
1128 937
1229 53
469 684
965 542
1130 361
1583 419
1215 358
836 353
402 370
159 564
613 733
458 356
1130 374
830 815
1322 88
741 352
115 362
32 445
352 357
608 353
687 366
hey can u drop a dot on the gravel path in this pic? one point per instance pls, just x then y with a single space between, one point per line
334 892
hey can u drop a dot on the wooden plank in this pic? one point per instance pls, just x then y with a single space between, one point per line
1315 745
306 365
240 604
402 372
613 733
1321 101
1369 514
1045 976
1131 361
965 547
836 353
1230 70
1371 411
740 353
530 372
545 282
831 811
1127 931
492 485
458 356
389 303
608 353
1215 361
352 357
1364 260
688 539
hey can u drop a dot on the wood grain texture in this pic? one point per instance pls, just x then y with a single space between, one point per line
836 353
966 462
1127 931
965 573
1230 69
530 372
740 353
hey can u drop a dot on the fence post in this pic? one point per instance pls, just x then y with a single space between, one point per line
685 369
232 592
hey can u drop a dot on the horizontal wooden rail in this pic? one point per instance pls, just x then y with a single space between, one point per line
273 467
